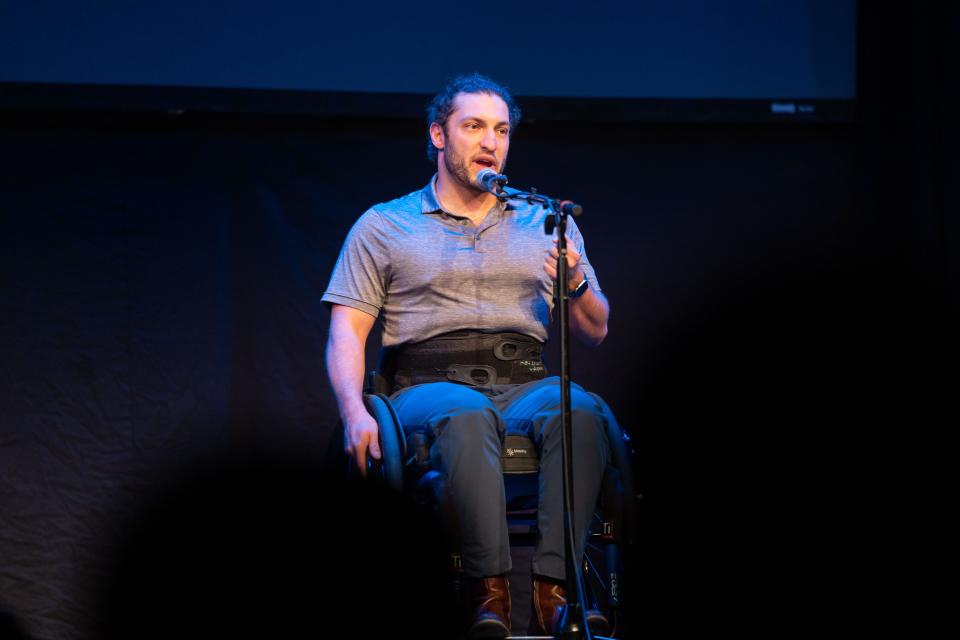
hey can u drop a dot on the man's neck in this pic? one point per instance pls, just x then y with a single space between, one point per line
462 201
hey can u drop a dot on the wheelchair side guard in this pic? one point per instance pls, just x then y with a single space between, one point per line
389 468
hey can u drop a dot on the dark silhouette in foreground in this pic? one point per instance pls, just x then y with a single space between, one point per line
256 548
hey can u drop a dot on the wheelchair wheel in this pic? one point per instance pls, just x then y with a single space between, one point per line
622 457
612 531
389 469
603 564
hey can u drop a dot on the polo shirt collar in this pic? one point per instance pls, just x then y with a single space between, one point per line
430 203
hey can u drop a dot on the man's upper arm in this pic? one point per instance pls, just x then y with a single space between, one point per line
349 319
362 271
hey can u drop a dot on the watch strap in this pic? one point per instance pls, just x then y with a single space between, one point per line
580 290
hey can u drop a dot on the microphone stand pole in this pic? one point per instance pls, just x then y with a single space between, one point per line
573 620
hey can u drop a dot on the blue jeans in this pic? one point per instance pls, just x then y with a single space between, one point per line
468 425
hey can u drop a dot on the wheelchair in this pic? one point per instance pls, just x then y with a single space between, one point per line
404 467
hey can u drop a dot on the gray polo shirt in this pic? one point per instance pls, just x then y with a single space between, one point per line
425 271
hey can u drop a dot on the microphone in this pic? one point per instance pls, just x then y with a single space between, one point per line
570 208
490 180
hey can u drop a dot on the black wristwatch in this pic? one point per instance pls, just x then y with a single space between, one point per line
580 290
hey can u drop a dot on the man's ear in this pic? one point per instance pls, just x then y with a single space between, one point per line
436 135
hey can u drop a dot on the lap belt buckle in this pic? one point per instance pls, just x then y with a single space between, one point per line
479 375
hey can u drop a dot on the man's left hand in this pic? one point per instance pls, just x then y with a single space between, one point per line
574 272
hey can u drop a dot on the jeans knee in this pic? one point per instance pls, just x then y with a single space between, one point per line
589 427
467 414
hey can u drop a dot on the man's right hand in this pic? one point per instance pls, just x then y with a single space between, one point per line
361 435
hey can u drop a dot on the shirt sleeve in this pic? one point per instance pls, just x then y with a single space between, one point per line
578 242
359 279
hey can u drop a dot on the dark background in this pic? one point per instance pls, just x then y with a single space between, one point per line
652 49
782 298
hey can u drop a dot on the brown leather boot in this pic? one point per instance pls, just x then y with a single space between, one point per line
548 596
490 598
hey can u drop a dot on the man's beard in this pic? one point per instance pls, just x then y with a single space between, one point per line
457 168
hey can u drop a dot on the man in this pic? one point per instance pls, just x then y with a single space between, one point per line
459 278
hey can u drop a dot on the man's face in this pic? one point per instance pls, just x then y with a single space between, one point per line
477 137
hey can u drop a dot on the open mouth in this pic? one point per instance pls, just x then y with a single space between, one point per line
486 163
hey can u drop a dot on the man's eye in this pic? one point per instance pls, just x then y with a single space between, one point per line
503 131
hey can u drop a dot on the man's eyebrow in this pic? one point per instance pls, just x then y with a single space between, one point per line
481 119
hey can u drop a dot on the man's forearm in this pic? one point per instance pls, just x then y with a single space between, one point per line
588 317
345 368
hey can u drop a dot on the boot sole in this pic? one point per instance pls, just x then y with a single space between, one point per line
488 630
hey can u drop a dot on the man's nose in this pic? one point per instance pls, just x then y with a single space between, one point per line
489 140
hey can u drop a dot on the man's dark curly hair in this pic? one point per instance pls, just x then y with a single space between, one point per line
441 106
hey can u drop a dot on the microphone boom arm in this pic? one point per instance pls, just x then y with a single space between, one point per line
554 206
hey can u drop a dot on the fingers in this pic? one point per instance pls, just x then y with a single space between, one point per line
573 261
361 440
357 450
368 442
360 455
573 256
550 266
